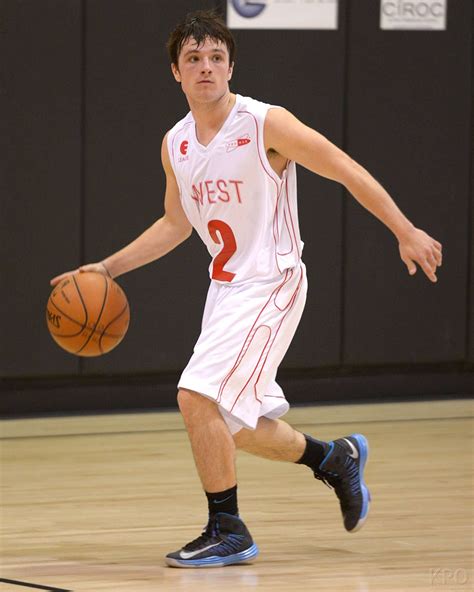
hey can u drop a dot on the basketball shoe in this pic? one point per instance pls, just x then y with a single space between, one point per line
343 470
225 540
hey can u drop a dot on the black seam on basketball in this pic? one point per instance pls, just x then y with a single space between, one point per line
82 300
97 333
125 308
67 317
93 330
115 335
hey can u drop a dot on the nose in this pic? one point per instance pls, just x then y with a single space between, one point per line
206 65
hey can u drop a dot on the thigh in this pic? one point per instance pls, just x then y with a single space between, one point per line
243 340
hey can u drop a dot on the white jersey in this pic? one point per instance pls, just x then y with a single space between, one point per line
243 211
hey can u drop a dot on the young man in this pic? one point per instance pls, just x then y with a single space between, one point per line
230 174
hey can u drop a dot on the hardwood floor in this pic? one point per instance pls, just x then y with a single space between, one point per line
93 503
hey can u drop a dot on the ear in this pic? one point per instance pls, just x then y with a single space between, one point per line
230 72
175 71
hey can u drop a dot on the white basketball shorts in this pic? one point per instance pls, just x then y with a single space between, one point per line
246 331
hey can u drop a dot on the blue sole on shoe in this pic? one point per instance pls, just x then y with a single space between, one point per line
364 453
215 561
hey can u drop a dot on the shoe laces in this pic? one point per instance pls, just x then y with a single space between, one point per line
208 536
345 486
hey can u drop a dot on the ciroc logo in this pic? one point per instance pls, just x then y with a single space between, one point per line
414 9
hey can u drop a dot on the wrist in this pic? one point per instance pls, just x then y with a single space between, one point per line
403 230
107 269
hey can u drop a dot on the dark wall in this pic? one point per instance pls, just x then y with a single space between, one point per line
41 164
89 96
408 121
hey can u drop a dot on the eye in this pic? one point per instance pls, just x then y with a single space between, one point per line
217 58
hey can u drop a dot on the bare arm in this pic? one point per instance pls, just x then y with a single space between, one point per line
289 137
159 239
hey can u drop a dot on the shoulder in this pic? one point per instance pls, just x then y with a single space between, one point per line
180 125
282 128
165 153
174 135
254 106
277 117
268 115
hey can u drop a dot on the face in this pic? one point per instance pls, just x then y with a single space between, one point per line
204 72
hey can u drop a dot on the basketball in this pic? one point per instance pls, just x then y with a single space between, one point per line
87 314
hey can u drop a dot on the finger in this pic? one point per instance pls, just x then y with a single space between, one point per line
432 261
429 270
59 278
438 245
434 256
86 268
410 266
94 267
55 281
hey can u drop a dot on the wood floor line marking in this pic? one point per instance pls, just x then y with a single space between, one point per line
36 586
173 430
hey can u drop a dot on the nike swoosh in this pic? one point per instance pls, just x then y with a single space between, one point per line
188 555
221 501
355 452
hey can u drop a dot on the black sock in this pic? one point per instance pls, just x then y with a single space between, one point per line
223 501
314 453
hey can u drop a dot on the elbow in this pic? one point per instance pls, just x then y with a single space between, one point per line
352 175
183 232
187 232
177 229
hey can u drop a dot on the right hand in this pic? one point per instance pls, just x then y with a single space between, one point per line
96 267
418 247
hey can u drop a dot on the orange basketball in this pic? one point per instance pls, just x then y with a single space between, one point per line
87 314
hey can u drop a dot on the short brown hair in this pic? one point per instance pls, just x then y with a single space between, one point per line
200 25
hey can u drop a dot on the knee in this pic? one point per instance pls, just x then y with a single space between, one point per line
186 402
241 438
191 404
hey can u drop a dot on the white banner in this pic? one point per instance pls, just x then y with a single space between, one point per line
282 14
414 15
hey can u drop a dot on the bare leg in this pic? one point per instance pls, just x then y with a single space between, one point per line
211 441
225 539
273 439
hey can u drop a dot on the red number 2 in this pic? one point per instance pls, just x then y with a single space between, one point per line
229 248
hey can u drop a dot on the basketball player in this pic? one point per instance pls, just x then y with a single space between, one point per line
231 175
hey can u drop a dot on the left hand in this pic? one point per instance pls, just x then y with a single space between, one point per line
418 247
95 267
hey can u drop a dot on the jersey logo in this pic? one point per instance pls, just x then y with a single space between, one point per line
234 144
183 148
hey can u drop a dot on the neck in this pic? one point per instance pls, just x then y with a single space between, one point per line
211 116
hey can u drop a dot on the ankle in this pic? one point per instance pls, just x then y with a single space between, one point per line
314 453
223 501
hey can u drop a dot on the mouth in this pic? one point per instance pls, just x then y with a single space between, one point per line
205 82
